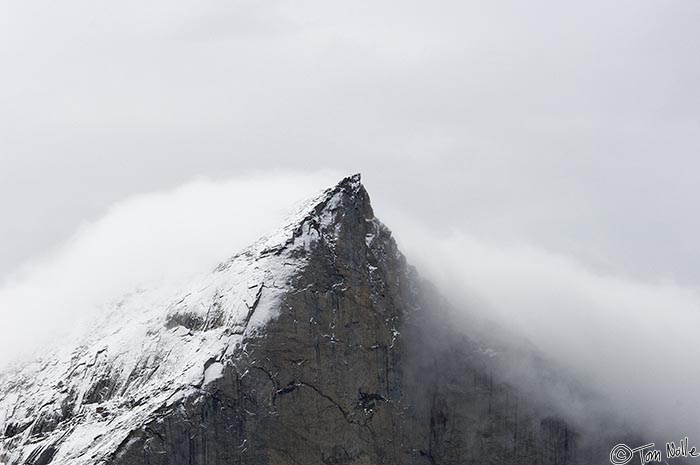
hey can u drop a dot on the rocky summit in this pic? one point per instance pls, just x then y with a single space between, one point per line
316 345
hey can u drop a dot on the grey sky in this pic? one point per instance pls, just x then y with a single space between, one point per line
570 125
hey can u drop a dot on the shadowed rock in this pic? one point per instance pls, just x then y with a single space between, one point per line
356 367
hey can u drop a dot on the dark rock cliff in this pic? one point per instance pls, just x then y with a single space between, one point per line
354 370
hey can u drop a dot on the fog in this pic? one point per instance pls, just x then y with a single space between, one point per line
536 159
629 342
154 240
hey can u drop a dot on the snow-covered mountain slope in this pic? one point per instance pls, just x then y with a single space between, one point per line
151 349
318 345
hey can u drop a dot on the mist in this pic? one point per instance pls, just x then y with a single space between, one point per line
538 161
160 239
629 342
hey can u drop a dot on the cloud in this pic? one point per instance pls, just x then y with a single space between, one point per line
143 241
631 343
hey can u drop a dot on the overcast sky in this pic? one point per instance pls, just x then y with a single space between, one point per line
565 132
573 125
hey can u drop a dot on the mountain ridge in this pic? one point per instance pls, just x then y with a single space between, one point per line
317 344
182 316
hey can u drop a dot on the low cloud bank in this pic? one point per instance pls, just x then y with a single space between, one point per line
632 342
144 241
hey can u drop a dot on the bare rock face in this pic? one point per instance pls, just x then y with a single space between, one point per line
333 355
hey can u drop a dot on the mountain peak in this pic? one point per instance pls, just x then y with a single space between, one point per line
352 181
157 347
316 345
315 216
